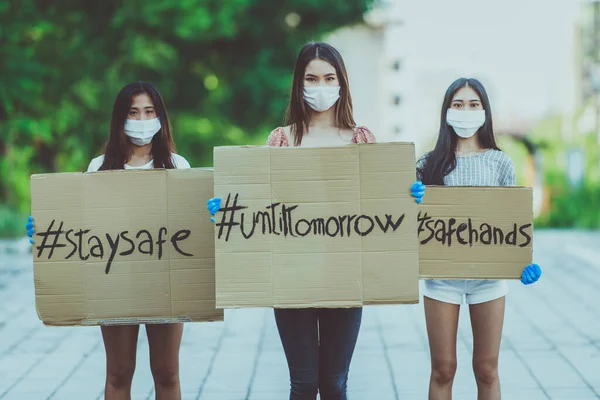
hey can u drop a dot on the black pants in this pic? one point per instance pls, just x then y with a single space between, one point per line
318 345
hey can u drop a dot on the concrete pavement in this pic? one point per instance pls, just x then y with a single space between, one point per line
550 348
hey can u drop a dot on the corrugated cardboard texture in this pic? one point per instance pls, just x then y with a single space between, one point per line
496 236
332 265
162 212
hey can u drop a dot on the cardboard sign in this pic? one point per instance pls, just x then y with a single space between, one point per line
124 247
475 232
316 227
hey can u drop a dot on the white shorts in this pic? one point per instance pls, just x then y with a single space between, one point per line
474 292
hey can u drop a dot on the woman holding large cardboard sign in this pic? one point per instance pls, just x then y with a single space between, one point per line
318 342
140 138
466 154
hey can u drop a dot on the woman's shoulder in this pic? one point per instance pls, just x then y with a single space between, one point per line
421 160
425 155
95 164
362 134
279 137
499 156
179 162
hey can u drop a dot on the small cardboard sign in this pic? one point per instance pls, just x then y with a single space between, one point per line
316 227
123 247
475 232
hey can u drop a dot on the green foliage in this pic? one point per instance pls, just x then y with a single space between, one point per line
518 154
571 206
575 207
12 224
223 67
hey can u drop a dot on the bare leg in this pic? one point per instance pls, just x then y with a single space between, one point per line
164 341
120 343
442 327
487 320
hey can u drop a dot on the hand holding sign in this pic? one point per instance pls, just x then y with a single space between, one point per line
417 191
213 205
531 274
30 228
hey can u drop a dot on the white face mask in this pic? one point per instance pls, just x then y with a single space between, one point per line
141 132
321 98
465 123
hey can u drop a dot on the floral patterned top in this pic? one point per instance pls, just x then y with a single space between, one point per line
278 138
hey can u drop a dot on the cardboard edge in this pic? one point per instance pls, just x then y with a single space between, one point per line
391 302
221 148
427 277
37 311
62 322
349 145
45 176
190 173
120 171
216 317
480 187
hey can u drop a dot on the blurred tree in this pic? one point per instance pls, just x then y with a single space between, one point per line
223 67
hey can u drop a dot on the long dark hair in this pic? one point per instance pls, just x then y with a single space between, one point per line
298 114
442 160
118 149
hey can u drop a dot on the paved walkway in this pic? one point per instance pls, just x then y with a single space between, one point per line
550 348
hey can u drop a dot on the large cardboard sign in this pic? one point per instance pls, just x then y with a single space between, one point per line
475 232
316 227
124 247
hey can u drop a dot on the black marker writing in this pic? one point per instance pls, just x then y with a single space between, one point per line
444 230
229 223
55 234
278 219
125 238
110 248
114 245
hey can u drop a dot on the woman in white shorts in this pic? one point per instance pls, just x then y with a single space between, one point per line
466 154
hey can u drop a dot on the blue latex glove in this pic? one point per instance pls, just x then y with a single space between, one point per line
213 205
531 274
30 227
417 190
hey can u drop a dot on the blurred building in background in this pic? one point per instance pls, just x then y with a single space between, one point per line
406 53
590 66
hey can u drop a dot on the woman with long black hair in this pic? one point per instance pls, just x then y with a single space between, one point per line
139 138
318 342
466 154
